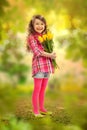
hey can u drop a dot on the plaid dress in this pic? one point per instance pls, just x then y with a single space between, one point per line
39 63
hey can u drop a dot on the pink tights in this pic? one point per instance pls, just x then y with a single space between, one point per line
38 94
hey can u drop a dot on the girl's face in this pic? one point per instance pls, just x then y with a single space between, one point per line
39 26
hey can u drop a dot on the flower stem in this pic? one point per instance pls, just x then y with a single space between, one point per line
55 64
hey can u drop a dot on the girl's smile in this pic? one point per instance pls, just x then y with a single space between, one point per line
39 26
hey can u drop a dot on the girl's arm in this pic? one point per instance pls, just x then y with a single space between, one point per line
33 46
37 52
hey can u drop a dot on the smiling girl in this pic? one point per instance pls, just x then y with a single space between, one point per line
41 63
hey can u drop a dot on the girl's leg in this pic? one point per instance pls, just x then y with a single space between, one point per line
35 95
42 94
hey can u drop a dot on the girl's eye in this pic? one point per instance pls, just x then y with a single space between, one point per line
42 24
37 23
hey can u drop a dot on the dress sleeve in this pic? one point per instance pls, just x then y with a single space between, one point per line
33 46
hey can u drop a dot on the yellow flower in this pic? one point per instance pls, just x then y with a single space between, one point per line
49 35
44 37
40 39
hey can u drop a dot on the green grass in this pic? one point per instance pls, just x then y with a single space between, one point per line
72 117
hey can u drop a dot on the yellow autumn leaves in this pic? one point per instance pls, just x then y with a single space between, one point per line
44 37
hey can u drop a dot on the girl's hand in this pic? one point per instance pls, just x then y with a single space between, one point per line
50 55
53 55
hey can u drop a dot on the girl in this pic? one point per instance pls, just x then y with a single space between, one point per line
41 63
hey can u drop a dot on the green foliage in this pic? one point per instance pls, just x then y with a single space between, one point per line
14 124
44 4
61 117
8 95
12 58
53 86
72 117
76 48
72 127
23 108
76 106
77 11
80 116
15 14
3 4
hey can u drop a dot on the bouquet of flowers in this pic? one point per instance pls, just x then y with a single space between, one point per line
47 41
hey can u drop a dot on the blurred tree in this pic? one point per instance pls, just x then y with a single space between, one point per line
77 48
12 60
77 38
77 9
3 4
75 43
15 14
14 17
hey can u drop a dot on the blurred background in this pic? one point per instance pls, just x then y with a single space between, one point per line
67 88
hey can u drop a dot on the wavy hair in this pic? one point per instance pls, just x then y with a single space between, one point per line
31 26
